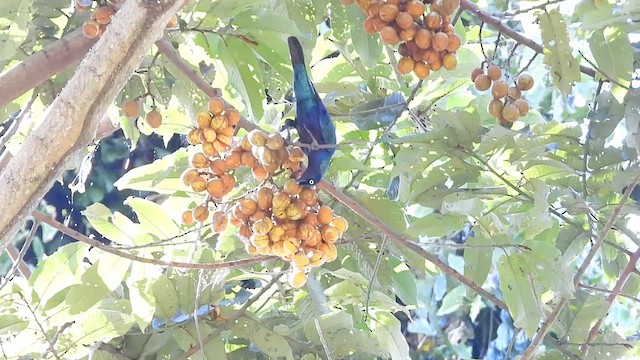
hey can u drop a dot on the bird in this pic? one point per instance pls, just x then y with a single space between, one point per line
312 122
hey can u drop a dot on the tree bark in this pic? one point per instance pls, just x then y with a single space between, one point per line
39 67
70 123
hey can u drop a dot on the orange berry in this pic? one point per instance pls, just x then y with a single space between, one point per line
368 25
404 20
209 150
415 8
493 72
275 141
219 223
173 22
405 65
410 33
436 64
482 82
228 182
233 160
103 14
495 108
475 73
373 9
300 261
522 105
91 29
200 213
198 184
423 38
510 113
291 187
248 207
330 234
203 120
233 116
341 224
450 6
208 135
388 12
262 227
216 105
257 138
433 21
389 35
514 93
265 198
308 196
154 118
454 43
325 215
440 41
297 279
281 200
215 188
218 123
193 137
259 173
524 82
131 108
189 175
259 241
199 161
449 61
378 24
187 217
421 69
499 89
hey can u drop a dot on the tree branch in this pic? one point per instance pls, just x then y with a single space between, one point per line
39 67
519 38
71 121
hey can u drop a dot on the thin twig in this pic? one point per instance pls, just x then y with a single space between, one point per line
522 11
231 320
612 80
551 319
585 286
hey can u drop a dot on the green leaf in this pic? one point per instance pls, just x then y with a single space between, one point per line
565 69
243 72
477 260
153 218
612 51
389 212
339 20
59 271
12 36
82 297
367 46
271 343
167 302
161 176
436 225
112 269
518 293
452 301
103 221
11 324
387 329
593 309
265 19
140 285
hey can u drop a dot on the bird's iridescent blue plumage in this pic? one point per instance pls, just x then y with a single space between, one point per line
312 119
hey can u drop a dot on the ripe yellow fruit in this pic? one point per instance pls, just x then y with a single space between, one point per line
200 213
524 82
449 61
265 197
475 73
404 20
219 123
330 234
154 118
522 105
233 116
449 6
454 43
233 160
277 233
330 251
275 141
187 217
209 150
218 166
311 219
199 161
281 200
291 187
216 105
259 241
131 108
189 175
514 93
300 261
510 113
198 184
248 206
421 69
297 279
203 120
440 41
499 89
495 108
433 21
208 135
262 227
493 72
193 137
219 223
482 82
291 245
257 138
389 35
259 173
341 224
405 65
415 8
423 38
228 182
325 215
215 188
309 196
388 12
293 212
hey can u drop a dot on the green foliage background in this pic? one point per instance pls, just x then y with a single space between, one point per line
548 185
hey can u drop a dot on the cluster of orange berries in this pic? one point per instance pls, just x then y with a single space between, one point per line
287 221
426 42
507 104
101 17
131 109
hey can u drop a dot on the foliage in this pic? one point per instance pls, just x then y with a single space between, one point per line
514 210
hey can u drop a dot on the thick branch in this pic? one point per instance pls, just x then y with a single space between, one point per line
71 121
39 67
519 38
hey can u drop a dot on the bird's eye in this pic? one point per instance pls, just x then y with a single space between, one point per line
311 182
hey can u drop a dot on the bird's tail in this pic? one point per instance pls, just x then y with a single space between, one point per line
295 50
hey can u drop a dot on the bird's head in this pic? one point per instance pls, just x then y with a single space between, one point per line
318 164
